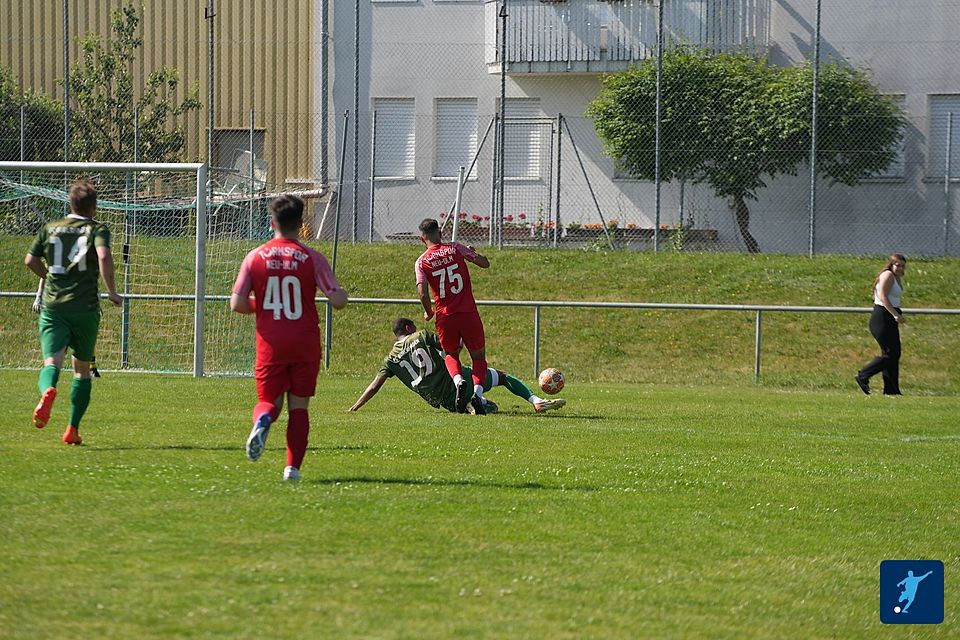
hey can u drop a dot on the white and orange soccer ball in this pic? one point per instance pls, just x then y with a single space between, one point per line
551 381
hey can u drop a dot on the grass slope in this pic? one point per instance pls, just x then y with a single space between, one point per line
799 350
636 511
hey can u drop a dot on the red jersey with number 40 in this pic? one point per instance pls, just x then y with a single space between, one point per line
445 268
284 276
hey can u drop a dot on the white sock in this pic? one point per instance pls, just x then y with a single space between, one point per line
534 399
457 379
478 390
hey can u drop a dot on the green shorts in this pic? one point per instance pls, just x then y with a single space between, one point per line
77 330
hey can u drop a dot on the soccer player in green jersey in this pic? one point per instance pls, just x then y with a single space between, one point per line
70 314
417 360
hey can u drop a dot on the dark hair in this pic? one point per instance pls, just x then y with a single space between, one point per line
83 197
400 325
896 257
429 227
287 212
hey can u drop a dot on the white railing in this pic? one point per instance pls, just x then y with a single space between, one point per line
578 32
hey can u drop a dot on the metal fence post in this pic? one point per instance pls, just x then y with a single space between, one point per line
200 276
373 170
756 346
536 341
946 187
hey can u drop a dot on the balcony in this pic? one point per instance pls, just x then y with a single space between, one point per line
600 36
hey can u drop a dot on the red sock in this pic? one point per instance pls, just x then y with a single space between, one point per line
479 372
266 407
298 428
453 365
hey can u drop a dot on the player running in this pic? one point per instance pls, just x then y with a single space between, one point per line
443 266
283 275
417 361
71 255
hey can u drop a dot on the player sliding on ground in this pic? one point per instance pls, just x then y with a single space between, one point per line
443 268
417 361
283 275
71 254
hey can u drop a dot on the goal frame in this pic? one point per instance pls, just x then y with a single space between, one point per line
198 168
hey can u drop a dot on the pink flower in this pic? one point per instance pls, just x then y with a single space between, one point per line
508 217
522 216
477 217
463 215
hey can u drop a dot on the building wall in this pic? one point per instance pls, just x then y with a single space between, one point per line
263 56
430 49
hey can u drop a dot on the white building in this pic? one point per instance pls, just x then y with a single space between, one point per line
430 70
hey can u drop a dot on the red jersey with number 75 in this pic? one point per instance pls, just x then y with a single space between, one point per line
445 268
284 276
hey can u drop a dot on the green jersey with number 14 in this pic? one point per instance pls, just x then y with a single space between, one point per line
417 361
69 248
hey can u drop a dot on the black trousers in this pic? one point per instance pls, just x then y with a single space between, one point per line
886 332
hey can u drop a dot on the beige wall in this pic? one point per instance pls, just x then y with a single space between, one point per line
262 53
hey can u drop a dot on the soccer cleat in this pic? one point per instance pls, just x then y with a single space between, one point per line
549 405
258 437
863 384
72 436
464 393
478 408
490 406
291 474
41 415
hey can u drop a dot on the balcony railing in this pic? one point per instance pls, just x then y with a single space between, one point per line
592 36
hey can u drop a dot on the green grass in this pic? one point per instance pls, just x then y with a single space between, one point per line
636 511
800 351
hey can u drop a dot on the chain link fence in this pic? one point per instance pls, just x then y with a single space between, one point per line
371 108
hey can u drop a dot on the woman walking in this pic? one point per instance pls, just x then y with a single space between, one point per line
885 324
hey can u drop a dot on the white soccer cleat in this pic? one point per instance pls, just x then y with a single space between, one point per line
291 474
257 441
549 405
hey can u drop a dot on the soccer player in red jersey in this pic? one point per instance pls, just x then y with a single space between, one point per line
443 268
283 275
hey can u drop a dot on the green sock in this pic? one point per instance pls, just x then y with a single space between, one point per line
516 387
48 377
79 399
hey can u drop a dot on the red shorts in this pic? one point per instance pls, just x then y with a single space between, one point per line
460 326
298 378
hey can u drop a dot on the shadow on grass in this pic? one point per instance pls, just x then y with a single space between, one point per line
441 482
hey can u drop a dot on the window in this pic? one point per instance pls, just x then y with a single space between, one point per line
456 136
396 137
942 107
524 138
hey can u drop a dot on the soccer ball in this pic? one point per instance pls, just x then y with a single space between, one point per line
551 381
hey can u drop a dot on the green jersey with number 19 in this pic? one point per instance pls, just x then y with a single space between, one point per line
417 361
69 248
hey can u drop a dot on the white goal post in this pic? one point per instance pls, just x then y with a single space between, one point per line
200 206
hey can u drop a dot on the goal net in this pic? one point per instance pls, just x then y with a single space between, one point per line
178 236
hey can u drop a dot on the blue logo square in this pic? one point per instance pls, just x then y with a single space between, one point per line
911 592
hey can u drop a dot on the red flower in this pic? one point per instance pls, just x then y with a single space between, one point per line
522 216
508 217
477 217
463 215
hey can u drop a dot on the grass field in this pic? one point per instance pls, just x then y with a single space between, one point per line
800 351
637 511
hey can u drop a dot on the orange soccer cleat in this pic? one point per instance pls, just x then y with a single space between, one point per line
72 436
41 415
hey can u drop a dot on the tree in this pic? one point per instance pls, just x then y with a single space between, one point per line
733 121
105 102
43 120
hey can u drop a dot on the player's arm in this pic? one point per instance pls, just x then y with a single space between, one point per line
240 300
470 255
105 258
327 281
423 291
35 264
370 391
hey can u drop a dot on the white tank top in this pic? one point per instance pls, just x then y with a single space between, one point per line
896 290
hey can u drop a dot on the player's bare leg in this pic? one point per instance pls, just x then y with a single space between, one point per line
298 431
47 384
